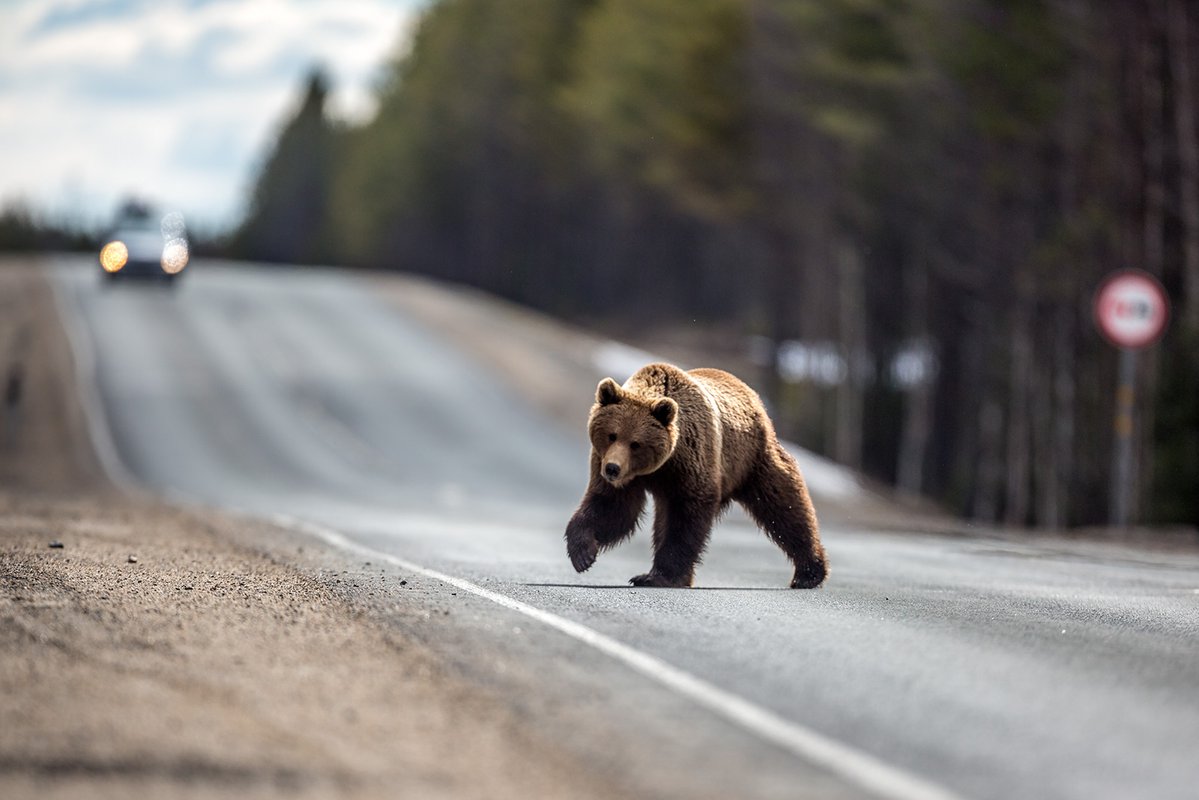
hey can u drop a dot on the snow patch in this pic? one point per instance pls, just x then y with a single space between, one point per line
825 478
619 361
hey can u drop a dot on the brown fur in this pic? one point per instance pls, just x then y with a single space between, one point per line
694 441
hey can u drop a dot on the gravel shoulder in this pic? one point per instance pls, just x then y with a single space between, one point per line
148 650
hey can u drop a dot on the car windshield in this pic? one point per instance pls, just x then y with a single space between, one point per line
142 242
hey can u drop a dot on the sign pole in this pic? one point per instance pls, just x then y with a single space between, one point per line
1123 469
1131 310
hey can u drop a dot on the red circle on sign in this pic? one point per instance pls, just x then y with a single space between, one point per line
1131 309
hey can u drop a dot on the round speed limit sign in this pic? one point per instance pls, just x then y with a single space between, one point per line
1131 309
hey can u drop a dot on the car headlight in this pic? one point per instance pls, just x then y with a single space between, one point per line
174 256
113 256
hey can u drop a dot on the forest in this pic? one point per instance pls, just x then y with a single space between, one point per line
898 210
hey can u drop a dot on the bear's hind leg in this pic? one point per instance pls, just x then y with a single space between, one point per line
777 499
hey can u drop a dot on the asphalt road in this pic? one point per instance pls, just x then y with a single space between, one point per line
929 665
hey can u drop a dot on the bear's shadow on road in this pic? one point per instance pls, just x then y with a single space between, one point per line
657 588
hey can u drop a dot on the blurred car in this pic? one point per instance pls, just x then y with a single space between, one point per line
141 245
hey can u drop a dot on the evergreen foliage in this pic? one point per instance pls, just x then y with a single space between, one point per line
936 186
287 218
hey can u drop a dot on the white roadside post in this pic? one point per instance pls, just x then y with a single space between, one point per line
1131 311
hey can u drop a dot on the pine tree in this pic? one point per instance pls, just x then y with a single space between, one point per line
288 208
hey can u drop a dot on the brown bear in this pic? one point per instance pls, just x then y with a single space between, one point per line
695 441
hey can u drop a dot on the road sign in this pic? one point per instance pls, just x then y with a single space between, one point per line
1131 309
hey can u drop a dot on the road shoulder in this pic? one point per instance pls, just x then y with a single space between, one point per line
148 650
144 652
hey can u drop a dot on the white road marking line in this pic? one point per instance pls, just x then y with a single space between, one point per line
853 765
87 381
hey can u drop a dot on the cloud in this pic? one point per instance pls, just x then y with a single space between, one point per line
174 100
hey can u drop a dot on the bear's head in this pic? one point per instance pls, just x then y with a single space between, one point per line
633 435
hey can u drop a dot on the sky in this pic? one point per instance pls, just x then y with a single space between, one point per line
172 101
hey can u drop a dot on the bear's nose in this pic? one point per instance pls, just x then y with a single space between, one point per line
611 470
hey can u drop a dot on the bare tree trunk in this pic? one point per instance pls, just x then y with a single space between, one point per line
773 134
1063 416
1044 455
1018 442
917 408
1178 29
990 459
1057 379
1152 231
847 443
1053 418
778 306
1153 236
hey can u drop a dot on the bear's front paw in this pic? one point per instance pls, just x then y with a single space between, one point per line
657 579
582 549
810 576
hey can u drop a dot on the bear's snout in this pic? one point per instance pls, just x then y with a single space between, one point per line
611 470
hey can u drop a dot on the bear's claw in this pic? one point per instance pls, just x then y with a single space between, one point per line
810 576
657 579
582 553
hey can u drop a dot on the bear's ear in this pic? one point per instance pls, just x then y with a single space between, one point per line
664 410
608 392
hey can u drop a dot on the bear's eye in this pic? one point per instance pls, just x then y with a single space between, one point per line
634 445
611 437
